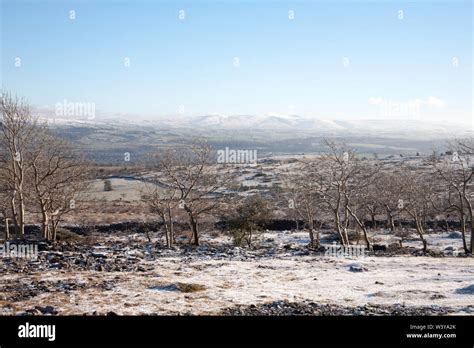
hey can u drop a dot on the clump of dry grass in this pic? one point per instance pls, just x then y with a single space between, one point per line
182 287
68 236
190 287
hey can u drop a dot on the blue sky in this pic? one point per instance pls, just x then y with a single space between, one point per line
335 59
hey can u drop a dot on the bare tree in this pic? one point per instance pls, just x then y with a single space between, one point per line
195 176
464 145
305 198
59 175
456 172
342 178
163 200
371 200
388 186
417 197
5 206
360 193
17 129
332 173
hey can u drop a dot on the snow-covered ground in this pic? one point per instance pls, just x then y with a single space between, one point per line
408 280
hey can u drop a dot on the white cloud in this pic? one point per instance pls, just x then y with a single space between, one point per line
435 102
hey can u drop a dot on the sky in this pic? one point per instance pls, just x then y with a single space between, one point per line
325 59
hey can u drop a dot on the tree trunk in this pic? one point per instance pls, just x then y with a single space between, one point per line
311 229
374 223
45 224
7 230
54 229
472 235
390 220
194 227
362 227
163 219
21 202
249 240
15 215
462 220
147 233
472 232
419 229
168 243
171 228
357 228
339 228
346 237
469 212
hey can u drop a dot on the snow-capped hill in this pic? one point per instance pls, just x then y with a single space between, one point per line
267 122
291 124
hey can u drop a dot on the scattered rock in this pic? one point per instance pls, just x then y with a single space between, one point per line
357 268
437 296
379 247
455 235
99 255
47 310
468 290
287 308
32 311
164 287
182 287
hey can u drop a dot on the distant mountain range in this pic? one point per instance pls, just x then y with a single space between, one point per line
107 139
285 123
